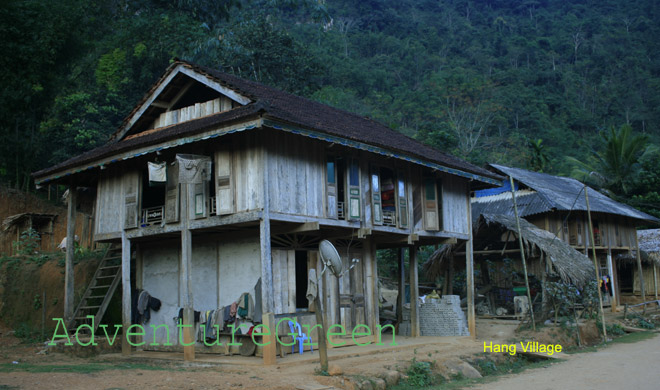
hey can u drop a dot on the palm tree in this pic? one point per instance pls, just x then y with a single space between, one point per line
539 158
613 168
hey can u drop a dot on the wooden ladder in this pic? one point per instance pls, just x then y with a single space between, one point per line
96 298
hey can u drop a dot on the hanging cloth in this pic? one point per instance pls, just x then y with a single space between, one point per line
193 169
157 173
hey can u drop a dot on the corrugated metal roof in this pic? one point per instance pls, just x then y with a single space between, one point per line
551 193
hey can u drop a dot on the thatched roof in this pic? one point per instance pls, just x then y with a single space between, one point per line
20 218
649 246
569 264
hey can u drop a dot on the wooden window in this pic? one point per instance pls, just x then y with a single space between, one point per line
131 199
331 188
354 206
199 209
430 194
172 193
375 196
402 200
224 183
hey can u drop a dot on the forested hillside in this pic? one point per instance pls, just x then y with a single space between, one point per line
519 82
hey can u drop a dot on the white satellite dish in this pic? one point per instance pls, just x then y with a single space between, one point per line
330 257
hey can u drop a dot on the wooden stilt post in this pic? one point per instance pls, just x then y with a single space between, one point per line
186 275
655 281
70 252
593 252
125 291
414 292
267 292
522 252
450 276
270 346
323 344
469 273
610 267
400 300
639 269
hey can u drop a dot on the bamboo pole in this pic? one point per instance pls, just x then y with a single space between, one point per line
655 281
522 252
639 269
70 253
593 252
469 274
414 292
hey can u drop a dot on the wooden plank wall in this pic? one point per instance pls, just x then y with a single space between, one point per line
110 202
297 174
284 280
454 204
248 174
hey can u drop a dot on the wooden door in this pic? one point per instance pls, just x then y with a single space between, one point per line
331 188
352 295
430 201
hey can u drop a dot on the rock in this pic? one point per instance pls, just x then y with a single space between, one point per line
366 385
379 384
334 370
457 366
392 378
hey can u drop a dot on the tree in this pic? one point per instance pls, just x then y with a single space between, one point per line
613 168
539 157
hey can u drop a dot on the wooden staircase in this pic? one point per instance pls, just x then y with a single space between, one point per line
97 297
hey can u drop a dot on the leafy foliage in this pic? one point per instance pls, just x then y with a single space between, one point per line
475 79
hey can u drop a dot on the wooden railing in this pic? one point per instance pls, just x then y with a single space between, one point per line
152 216
212 206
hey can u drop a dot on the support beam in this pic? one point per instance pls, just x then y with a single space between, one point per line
267 292
610 268
414 292
655 280
270 340
186 275
125 291
302 228
70 252
469 273
593 251
522 254
640 271
400 299
370 295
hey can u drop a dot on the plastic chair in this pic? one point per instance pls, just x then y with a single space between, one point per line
299 336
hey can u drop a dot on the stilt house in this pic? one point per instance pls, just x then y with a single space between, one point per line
254 178
558 205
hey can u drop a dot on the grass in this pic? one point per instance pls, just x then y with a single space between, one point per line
633 337
487 367
627 338
87 368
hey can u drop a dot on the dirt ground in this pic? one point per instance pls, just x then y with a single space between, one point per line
113 371
619 366
204 374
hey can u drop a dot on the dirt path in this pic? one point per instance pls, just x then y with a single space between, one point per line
619 366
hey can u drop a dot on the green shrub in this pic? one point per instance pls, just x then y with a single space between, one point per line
420 374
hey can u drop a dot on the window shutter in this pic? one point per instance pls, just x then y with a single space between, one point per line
331 188
200 200
430 200
402 199
354 206
375 196
131 194
172 192
224 186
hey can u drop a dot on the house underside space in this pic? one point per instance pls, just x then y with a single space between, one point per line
226 262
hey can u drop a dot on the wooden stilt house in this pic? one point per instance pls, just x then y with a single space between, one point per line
273 175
